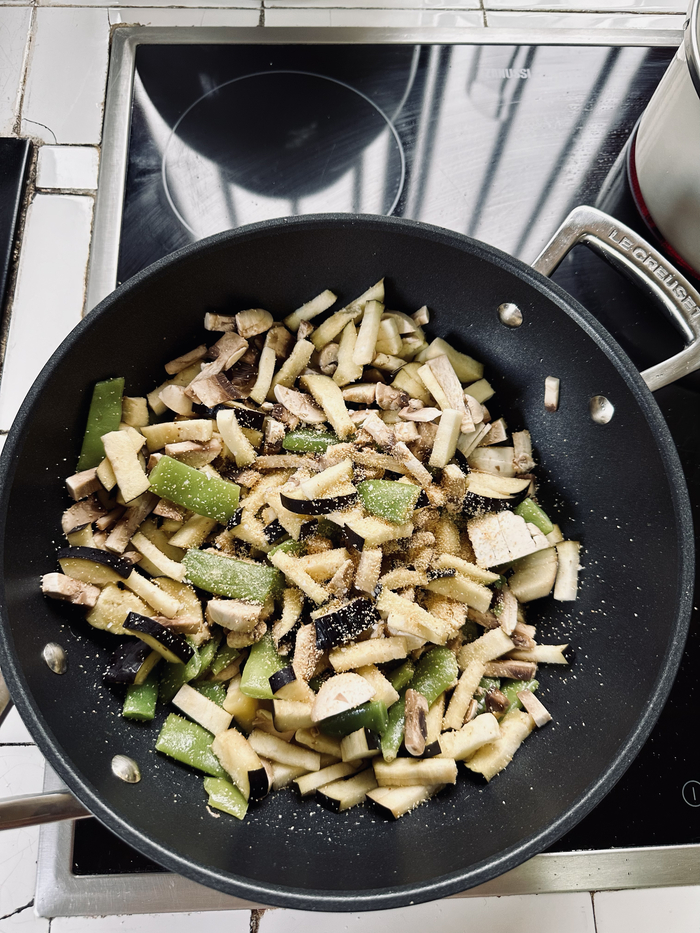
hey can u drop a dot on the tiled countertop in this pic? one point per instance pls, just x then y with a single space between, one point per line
53 67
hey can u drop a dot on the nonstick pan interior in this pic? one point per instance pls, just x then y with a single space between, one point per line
616 487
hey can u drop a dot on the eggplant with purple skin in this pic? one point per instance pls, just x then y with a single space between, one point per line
241 761
281 678
171 645
274 531
131 663
345 624
320 506
487 492
92 565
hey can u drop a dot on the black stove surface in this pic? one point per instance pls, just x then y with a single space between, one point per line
496 142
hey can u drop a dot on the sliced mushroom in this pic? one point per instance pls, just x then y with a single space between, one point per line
516 670
234 614
410 413
280 340
416 722
81 514
59 586
328 359
390 399
496 702
300 404
306 328
535 708
252 322
187 359
361 394
83 484
274 435
340 693
219 322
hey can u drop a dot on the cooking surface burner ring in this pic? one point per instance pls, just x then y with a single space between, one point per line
275 143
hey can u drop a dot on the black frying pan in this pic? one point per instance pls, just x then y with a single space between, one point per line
617 486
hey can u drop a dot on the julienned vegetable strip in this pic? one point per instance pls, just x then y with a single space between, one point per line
206 495
323 556
104 416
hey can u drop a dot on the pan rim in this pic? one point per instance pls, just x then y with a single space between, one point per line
453 883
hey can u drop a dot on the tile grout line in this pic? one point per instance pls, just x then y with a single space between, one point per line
595 922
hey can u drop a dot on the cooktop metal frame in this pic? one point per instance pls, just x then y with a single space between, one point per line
61 893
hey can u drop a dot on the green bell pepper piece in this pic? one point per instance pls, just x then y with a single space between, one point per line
262 662
310 442
104 416
224 656
435 672
173 676
388 499
513 688
393 734
223 795
210 496
225 576
207 652
401 676
289 547
189 743
212 691
140 701
371 715
531 512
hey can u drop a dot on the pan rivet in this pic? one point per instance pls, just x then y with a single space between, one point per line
601 409
510 314
55 657
126 769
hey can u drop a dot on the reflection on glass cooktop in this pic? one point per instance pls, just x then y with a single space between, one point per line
496 142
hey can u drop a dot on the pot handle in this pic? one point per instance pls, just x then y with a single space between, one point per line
33 809
623 248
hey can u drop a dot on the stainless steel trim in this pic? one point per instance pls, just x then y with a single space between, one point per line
647 268
104 255
59 893
691 42
33 809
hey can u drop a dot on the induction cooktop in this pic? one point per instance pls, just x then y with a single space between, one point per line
491 135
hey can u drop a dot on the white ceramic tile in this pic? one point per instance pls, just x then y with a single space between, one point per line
162 4
67 167
50 289
13 731
646 6
361 17
158 16
24 921
215 921
676 910
537 913
379 4
555 20
21 772
14 34
66 79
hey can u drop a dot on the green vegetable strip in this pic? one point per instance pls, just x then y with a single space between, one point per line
212 691
263 661
531 512
224 656
173 676
393 734
513 688
189 743
225 576
435 672
104 416
289 547
207 653
140 700
401 676
371 715
306 441
206 495
388 499
224 796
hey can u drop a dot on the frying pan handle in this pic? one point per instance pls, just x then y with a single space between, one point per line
623 248
32 809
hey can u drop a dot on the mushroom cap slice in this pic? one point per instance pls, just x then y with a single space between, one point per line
340 693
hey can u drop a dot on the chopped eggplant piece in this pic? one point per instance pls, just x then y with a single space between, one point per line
321 506
346 623
174 648
131 663
78 562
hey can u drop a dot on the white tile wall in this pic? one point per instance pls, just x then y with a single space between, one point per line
215 921
380 4
517 19
641 6
355 17
68 167
675 910
13 731
50 283
66 79
24 921
14 35
21 772
540 913
161 16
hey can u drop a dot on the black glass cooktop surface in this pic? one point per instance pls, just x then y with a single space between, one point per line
493 141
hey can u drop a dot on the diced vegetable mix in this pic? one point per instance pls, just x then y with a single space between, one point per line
324 543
